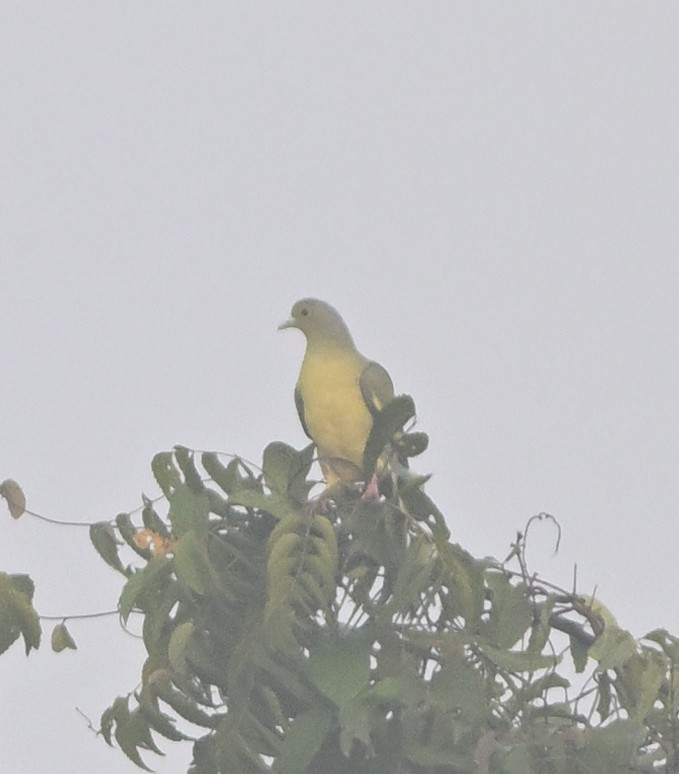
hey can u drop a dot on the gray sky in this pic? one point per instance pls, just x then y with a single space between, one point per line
487 192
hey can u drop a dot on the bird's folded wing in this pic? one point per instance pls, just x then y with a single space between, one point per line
376 387
299 402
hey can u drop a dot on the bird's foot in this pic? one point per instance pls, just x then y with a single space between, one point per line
372 491
320 504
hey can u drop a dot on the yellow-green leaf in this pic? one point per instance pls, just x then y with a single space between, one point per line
192 564
17 615
138 583
14 495
165 472
304 739
104 540
61 639
189 511
176 649
340 668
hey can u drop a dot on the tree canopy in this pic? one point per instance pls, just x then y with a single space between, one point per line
348 635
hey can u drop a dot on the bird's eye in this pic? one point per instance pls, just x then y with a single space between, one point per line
304 312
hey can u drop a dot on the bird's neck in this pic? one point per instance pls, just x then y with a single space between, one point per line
337 338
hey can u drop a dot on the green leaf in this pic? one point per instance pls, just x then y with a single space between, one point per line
299 487
157 720
192 477
104 540
389 421
541 628
9 631
614 647
603 706
668 642
510 613
61 639
205 756
538 689
355 723
278 464
274 504
236 560
556 713
517 661
340 668
372 541
459 687
413 444
184 706
166 473
159 602
131 590
301 575
612 747
228 477
287 673
152 520
192 565
236 753
285 469
267 705
139 583
304 739
176 649
23 583
421 507
639 682
415 574
189 511
17 614
117 713
218 504
517 760
132 734
15 497
465 578
426 756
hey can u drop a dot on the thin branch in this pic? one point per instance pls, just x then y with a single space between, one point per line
573 629
90 725
77 616
65 523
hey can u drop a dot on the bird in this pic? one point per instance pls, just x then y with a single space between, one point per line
339 392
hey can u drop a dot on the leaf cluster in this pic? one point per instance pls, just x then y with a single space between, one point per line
354 636
18 617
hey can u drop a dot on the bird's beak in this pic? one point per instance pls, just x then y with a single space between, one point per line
291 323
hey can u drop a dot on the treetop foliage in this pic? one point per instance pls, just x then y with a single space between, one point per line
350 635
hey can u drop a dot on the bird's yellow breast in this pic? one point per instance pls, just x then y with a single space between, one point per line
334 409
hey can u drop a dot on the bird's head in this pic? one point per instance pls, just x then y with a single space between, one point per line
319 322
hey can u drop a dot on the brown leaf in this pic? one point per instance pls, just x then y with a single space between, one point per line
16 499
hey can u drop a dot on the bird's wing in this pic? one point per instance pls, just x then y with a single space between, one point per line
299 402
376 387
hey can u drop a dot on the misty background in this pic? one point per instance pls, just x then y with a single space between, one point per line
487 193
